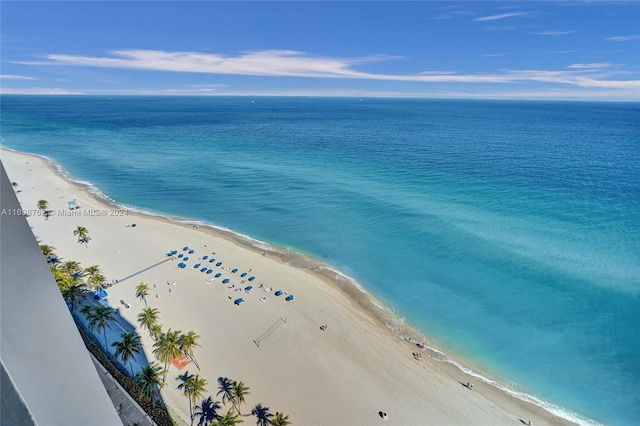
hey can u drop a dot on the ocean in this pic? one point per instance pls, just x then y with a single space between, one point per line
508 232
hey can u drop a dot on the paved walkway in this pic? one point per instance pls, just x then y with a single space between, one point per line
130 412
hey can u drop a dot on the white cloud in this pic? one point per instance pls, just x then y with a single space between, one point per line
624 38
38 91
285 63
15 77
501 16
553 33
593 66
494 55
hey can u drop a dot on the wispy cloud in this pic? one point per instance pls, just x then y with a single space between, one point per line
38 91
279 63
593 66
501 16
624 38
494 55
15 77
553 33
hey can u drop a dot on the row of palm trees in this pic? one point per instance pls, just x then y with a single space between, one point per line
167 345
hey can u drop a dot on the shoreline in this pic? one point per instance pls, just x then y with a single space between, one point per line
354 295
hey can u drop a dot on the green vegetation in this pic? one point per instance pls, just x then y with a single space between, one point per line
142 291
43 204
83 235
127 348
146 384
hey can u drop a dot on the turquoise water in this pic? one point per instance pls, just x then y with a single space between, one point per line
509 231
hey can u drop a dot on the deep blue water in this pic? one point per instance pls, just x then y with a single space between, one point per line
508 231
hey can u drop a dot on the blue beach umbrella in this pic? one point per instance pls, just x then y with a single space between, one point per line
185 258
218 275
226 280
244 274
209 271
289 298
191 251
180 255
278 293
252 278
248 288
238 301
219 264
203 270
234 270
205 257
185 248
212 260
197 265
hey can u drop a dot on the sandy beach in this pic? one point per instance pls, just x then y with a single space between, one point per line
343 375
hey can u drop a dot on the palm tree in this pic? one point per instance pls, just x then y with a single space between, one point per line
87 311
96 281
225 387
127 348
92 270
73 290
263 415
208 411
148 317
99 318
63 280
187 343
193 387
83 235
70 267
149 381
229 419
280 420
14 184
47 250
167 347
142 291
155 331
240 391
43 204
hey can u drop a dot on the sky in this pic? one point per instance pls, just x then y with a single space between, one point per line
565 50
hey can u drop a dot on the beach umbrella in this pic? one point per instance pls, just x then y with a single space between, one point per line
234 270
238 301
185 248
244 274
197 265
252 278
209 271
248 288
219 264
278 293
289 298
180 255
226 280
169 254
203 270
218 275
191 251
185 258
205 257
212 260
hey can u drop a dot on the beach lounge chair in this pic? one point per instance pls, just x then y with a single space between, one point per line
268 289
263 299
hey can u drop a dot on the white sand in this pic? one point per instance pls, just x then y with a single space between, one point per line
344 375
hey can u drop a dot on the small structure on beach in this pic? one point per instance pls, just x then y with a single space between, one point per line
73 205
